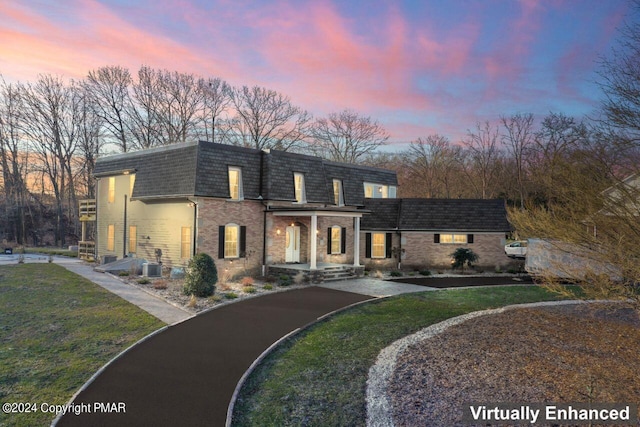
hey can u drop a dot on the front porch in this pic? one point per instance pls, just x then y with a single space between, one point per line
324 272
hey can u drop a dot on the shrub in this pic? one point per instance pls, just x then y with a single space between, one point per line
201 276
123 274
160 284
268 286
284 280
231 295
247 281
193 302
299 278
144 281
425 273
395 274
249 290
462 256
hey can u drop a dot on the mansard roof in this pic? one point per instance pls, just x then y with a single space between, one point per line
469 215
201 169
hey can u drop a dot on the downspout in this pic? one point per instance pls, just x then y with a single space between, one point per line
399 233
124 230
264 216
195 228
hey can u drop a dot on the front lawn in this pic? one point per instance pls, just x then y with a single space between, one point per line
56 330
319 377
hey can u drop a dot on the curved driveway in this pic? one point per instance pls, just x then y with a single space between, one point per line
186 374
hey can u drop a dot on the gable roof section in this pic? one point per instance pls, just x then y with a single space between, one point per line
436 215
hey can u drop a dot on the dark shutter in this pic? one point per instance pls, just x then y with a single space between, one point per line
367 245
243 241
388 245
469 238
221 242
436 238
343 241
329 241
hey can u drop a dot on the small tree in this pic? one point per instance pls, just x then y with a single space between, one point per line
201 277
462 256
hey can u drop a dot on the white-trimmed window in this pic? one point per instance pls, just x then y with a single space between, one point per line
453 238
111 237
338 195
132 181
111 195
378 245
379 191
298 181
336 239
133 239
231 241
185 242
235 183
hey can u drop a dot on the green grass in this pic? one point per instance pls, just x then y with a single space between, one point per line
56 330
319 377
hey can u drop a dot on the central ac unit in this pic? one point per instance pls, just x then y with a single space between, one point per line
151 270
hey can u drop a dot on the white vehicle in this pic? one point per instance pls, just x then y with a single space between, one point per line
516 249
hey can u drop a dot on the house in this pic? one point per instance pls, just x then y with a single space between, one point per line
424 232
247 208
257 211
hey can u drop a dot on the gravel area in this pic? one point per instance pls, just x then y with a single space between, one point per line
551 353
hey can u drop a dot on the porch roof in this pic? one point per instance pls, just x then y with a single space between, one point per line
317 211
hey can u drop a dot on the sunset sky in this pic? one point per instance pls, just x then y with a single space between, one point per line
419 67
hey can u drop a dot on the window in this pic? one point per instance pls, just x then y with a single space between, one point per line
232 240
132 181
185 242
379 191
298 180
458 239
133 239
378 245
338 196
235 183
112 190
111 236
336 236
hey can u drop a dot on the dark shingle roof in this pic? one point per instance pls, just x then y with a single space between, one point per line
436 215
201 169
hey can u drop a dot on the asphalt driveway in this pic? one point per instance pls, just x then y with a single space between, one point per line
186 374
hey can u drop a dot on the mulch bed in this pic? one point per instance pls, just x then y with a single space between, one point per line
458 282
563 354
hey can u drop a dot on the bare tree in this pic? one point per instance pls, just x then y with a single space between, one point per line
518 139
145 119
347 136
268 118
484 156
215 101
178 100
434 162
49 123
108 90
90 142
14 159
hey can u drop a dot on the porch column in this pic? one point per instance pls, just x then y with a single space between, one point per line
356 242
313 242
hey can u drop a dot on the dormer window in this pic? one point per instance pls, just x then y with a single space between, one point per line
298 181
235 183
379 191
338 196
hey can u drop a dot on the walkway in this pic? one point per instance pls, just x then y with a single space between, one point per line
186 374
152 304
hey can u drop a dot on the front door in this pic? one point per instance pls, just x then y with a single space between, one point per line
292 252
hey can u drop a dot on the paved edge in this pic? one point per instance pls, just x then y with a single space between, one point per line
378 404
275 345
103 368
